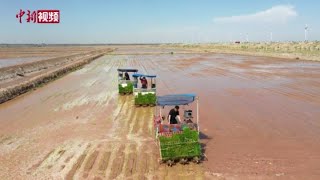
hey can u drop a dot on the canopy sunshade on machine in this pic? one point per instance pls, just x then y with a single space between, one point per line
144 75
127 70
175 99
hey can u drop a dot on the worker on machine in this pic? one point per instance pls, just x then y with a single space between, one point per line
126 76
173 116
144 82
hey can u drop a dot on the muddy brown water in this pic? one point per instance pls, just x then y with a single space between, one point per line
259 119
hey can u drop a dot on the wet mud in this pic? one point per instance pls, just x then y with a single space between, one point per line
259 119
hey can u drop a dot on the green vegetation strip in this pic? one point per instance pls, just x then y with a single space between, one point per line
127 89
184 145
146 99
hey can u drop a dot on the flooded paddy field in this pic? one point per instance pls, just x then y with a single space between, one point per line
12 55
259 118
15 61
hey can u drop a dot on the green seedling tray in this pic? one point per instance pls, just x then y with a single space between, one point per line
127 89
147 99
184 145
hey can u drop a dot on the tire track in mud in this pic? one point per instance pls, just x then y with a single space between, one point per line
94 82
89 164
63 159
117 163
132 122
130 119
143 125
131 163
39 163
150 154
75 167
302 95
126 151
135 153
57 154
117 157
103 163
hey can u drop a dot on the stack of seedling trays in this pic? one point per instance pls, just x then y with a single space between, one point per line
182 147
126 89
145 99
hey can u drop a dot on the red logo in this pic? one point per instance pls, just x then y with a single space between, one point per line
40 16
20 14
32 16
48 16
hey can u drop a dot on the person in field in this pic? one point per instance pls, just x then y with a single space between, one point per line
144 82
173 116
126 76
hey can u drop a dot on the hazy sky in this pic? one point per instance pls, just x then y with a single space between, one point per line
153 21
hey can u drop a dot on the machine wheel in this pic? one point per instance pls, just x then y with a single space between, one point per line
196 160
170 163
183 161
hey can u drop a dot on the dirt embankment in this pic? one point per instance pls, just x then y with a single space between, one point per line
19 79
287 50
24 51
